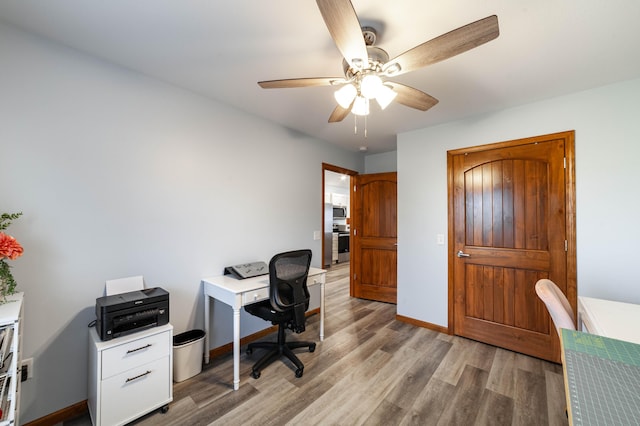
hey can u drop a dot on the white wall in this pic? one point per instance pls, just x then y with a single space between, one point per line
607 150
381 163
119 175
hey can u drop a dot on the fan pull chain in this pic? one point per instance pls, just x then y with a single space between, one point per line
355 125
365 126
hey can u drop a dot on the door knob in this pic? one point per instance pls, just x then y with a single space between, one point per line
462 254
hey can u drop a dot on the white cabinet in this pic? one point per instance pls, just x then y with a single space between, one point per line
340 199
10 358
337 199
130 376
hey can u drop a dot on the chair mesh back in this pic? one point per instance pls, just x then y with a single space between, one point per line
288 281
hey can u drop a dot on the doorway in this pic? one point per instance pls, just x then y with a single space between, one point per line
336 217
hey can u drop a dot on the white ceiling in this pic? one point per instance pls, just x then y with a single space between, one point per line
221 49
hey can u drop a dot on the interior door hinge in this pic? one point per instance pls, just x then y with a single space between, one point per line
354 188
355 232
566 245
564 160
354 277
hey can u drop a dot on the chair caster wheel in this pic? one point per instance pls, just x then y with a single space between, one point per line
255 374
312 347
299 372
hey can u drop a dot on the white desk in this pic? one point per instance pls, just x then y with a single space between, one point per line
238 293
608 318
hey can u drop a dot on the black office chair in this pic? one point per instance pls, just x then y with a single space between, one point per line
286 307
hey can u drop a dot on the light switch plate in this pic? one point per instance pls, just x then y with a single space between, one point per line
440 239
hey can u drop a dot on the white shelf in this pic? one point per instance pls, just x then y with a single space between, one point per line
10 357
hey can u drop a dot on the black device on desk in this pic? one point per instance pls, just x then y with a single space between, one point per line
121 314
247 270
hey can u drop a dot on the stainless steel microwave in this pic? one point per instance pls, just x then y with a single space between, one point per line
339 212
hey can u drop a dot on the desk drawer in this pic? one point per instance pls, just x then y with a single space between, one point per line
254 296
316 279
135 392
134 353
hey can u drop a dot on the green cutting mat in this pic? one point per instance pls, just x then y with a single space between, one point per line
603 379
603 347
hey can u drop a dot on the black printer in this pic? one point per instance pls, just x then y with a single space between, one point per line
121 314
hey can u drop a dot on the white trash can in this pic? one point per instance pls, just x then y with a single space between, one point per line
188 349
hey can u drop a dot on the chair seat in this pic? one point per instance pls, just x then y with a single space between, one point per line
265 311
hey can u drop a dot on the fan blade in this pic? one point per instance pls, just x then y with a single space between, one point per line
302 82
445 46
339 113
344 27
411 97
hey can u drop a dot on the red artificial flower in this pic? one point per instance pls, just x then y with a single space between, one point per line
9 247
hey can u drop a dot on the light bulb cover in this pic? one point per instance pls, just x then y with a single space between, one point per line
385 96
360 106
370 85
345 95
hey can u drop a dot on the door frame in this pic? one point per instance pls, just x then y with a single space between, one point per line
570 211
341 170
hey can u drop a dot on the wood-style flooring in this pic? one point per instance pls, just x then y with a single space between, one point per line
372 370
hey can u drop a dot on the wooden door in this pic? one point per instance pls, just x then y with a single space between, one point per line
512 217
374 237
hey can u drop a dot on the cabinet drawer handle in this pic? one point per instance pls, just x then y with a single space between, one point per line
130 351
131 379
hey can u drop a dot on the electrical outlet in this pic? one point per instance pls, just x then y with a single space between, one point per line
27 369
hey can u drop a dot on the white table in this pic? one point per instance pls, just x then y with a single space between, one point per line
609 318
238 293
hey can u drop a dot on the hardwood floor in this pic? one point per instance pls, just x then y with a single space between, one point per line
373 370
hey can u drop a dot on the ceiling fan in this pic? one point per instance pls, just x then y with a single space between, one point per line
367 68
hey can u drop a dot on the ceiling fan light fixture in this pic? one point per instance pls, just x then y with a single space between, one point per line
345 95
370 86
360 106
385 96
367 67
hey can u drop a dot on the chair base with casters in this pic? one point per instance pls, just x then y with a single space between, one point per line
276 350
